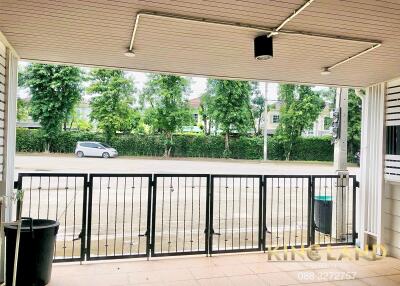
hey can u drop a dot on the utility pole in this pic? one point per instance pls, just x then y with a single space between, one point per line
266 123
340 164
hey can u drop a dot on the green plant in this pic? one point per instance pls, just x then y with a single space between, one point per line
55 90
111 108
194 145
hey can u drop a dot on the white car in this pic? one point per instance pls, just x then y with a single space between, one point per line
94 149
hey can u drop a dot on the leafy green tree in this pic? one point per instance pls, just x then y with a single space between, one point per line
354 122
168 110
112 108
55 90
206 112
300 108
22 109
257 107
230 106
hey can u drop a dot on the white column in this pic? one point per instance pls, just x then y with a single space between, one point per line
266 123
8 150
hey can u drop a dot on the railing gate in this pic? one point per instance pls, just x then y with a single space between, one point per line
119 212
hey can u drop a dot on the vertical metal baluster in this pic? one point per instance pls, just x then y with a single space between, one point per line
219 211
233 208
58 185
99 221
108 205
170 212
116 215
245 238
320 210
192 216
302 208
226 210
198 223
252 217
347 208
123 219
99 217
336 220
184 218
140 212
325 219
330 237
39 189
277 212
295 233
132 209
290 211
240 197
65 214
284 209
30 197
48 198
73 231
177 219
162 214
272 203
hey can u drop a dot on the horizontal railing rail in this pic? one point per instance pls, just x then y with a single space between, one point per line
108 216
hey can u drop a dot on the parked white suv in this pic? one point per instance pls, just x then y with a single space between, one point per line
94 149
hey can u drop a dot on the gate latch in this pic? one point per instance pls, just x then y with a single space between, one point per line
144 234
78 238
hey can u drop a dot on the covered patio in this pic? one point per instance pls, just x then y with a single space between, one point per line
343 44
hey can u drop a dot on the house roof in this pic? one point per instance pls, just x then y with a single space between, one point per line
195 102
88 32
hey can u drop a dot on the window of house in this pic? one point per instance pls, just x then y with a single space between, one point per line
196 118
327 123
393 140
275 118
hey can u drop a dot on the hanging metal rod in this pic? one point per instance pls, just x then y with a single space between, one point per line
353 57
287 20
151 14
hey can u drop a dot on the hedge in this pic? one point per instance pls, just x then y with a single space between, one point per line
307 149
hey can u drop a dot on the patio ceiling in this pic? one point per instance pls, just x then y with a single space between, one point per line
98 33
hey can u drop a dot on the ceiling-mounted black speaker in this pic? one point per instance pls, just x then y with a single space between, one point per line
263 47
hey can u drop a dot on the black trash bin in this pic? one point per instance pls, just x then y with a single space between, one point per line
323 214
36 249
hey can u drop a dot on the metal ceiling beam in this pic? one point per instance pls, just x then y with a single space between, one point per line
287 20
152 14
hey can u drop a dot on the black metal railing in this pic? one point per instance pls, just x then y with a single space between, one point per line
118 216
141 215
287 210
60 197
235 213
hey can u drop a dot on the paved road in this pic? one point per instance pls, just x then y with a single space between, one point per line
69 163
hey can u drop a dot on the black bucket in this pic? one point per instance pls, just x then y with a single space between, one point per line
36 250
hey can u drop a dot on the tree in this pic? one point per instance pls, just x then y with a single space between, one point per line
55 90
300 108
205 111
111 108
354 122
230 106
22 109
257 107
168 110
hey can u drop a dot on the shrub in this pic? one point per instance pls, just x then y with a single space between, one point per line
184 145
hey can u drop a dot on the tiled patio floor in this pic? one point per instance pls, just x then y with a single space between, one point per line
239 269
